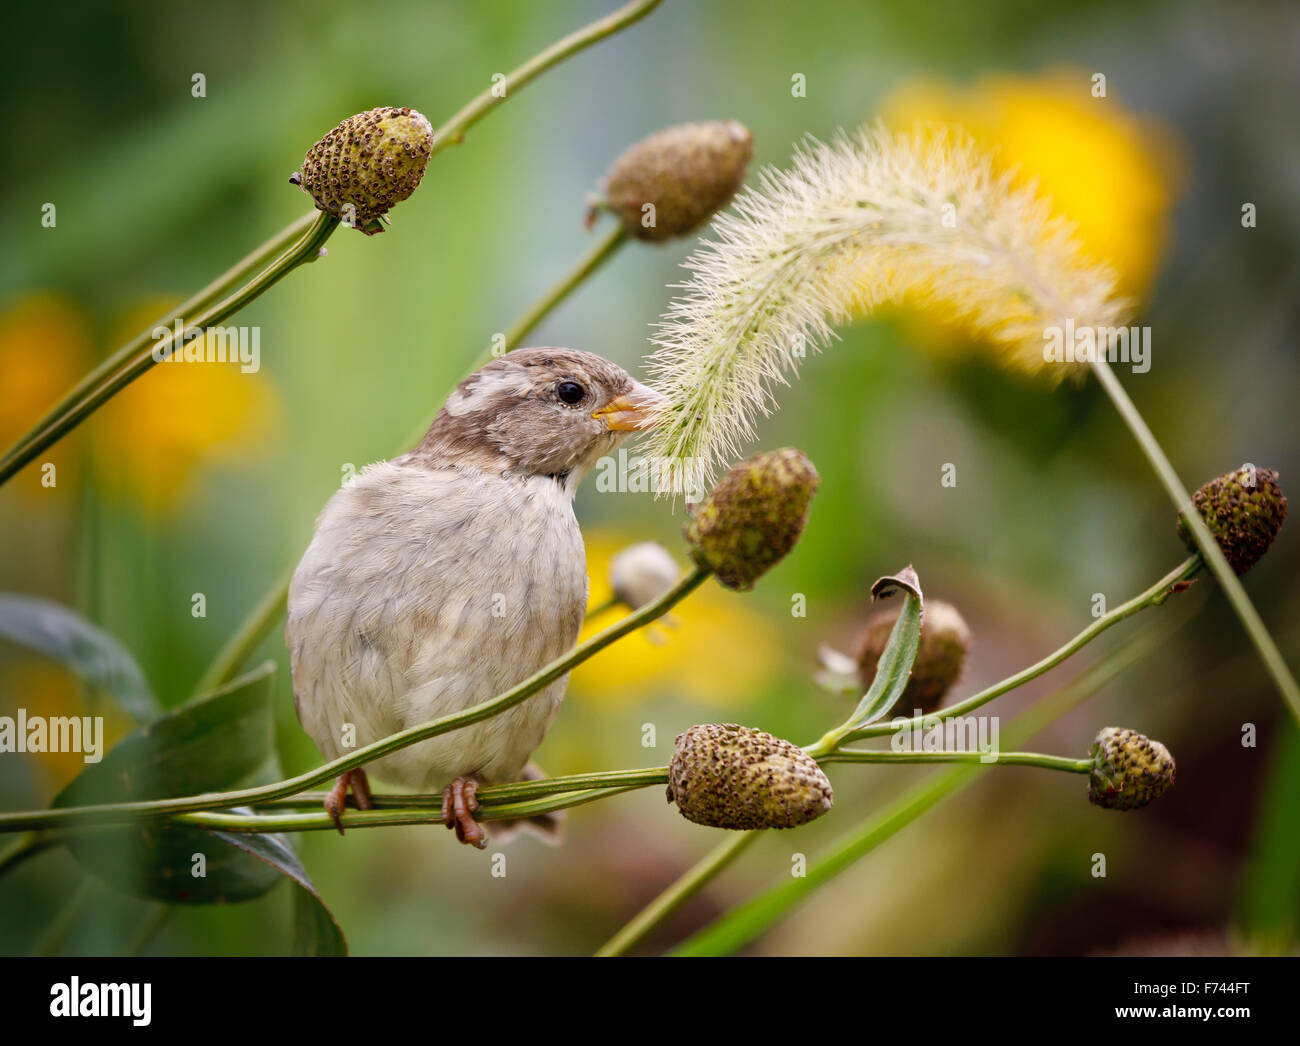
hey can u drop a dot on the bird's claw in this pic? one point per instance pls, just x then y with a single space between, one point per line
337 797
459 804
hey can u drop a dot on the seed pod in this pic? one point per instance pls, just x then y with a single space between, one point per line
751 520
729 776
669 184
940 656
1244 510
1129 770
641 573
367 164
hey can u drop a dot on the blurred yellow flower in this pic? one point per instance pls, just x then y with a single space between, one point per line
712 647
154 438
1111 173
44 350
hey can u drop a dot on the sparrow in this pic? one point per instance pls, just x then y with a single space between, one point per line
446 576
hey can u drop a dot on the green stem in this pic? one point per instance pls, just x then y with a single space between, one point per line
744 923
117 812
495 794
247 638
540 309
1045 762
78 407
319 821
677 894
1227 578
237 274
132 360
453 131
1153 596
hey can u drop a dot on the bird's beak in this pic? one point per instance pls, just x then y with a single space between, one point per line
637 409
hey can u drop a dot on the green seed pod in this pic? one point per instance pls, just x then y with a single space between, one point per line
367 164
1244 510
940 656
751 520
729 776
671 183
1129 770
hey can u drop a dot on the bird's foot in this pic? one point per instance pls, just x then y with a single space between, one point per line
459 804
337 798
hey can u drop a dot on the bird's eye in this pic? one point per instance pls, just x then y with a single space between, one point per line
570 392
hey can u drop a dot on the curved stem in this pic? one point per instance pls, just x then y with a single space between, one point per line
1153 596
247 638
1224 574
453 131
240 272
496 794
320 821
744 923
130 361
116 812
677 894
80 406
1038 759
540 309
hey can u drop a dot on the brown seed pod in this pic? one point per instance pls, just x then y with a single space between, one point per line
1129 770
1244 510
751 520
671 183
940 656
729 776
367 164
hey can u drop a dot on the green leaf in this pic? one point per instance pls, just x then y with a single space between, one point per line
315 931
65 636
895 666
205 746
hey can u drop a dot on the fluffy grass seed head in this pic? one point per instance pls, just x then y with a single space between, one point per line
862 221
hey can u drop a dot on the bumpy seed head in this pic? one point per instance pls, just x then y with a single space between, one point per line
729 776
940 656
669 184
641 573
750 521
1129 770
1244 510
367 164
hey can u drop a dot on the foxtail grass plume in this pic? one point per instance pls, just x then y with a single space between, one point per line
729 776
849 226
1244 510
940 656
751 520
1129 770
669 184
367 164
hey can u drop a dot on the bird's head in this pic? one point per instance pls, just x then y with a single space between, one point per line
539 412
